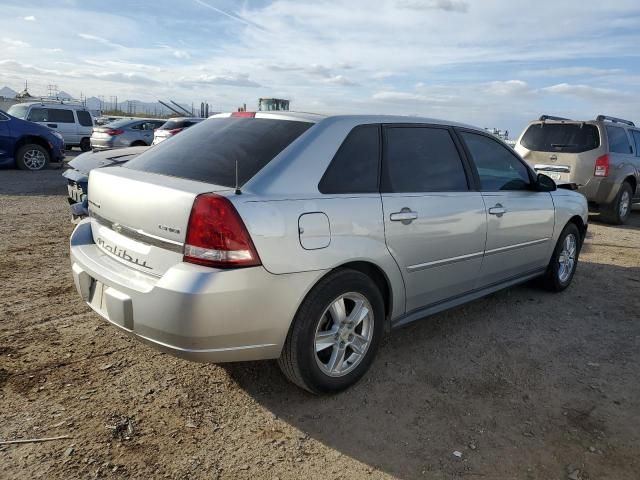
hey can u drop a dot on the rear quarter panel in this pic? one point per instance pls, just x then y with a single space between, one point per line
356 234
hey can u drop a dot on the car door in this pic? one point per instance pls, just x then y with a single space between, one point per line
435 225
520 220
636 161
6 141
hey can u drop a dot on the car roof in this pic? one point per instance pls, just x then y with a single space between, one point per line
53 104
362 118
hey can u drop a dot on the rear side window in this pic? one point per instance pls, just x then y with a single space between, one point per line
61 116
38 115
561 137
421 159
636 138
354 168
84 118
618 140
498 167
208 152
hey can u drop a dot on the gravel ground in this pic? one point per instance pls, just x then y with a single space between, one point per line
523 384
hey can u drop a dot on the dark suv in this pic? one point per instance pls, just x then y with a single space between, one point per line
28 145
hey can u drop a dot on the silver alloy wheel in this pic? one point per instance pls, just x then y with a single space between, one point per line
343 334
625 203
34 159
567 257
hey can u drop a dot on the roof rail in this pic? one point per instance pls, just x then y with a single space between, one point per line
551 117
602 118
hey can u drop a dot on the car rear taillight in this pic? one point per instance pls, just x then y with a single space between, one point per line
217 236
173 131
114 131
243 114
602 166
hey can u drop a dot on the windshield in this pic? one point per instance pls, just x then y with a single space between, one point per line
19 111
561 137
209 151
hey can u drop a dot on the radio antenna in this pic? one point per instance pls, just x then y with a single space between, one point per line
238 192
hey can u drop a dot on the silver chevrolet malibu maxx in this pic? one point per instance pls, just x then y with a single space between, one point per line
305 238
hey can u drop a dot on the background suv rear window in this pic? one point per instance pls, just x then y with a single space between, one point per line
561 137
208 152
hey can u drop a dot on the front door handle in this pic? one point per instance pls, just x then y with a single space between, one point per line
406 216
52 125
497 210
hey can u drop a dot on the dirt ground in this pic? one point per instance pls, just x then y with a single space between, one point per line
523 384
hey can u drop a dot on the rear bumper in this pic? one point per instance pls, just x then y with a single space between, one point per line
193 312
601 191
115 141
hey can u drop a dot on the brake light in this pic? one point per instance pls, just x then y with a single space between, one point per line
114 131
602 166
217 236
173 131
243 114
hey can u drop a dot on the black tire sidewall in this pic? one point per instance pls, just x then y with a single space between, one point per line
552 276
310 314
32 146
85 145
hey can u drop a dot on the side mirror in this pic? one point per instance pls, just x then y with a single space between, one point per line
545 183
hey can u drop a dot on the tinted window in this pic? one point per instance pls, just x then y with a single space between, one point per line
38 115
354 168
421 159
498 167
561 137
84 118
618 140
208 152
61 116
636 137
171 124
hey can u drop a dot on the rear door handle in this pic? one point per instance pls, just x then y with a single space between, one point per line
406 216
497 210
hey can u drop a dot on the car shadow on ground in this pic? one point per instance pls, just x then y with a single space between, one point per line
521 384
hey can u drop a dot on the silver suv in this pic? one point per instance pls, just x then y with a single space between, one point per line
601 156
305 238
70 119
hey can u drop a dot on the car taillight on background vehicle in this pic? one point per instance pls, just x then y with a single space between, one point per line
173 131
602 166
243 114
217 236
114 131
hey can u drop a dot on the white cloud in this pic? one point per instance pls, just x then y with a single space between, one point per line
30 18
101 40
446 5
234 80
14 43
572 72
340 80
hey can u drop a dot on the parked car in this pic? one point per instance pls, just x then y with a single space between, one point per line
72 121
601 156
27 145
173 126
125 133
301 237
77 174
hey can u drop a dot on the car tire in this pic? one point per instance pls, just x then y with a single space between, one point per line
564 260
327 328
85 144
619 211
32 157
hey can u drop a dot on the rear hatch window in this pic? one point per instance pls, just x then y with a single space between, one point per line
208 152
561 137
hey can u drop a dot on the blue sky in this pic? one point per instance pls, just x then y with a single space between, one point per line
492 63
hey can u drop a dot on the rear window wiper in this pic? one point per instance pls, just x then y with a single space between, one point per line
563 145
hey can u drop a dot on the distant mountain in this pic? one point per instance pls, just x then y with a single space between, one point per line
62 95
7 92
